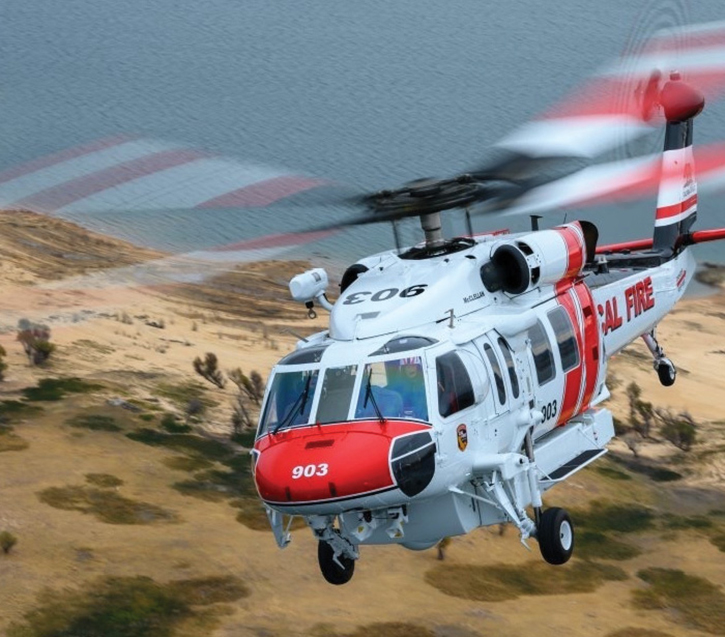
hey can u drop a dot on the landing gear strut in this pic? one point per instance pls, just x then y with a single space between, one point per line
554 529
664 366
335 553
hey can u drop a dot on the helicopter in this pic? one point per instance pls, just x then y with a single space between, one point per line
460 378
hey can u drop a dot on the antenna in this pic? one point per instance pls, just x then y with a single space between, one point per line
469 227
396 235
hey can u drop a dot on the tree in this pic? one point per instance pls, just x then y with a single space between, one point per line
241 418
680 429
3 364
7 541
646 412
634 392
35 339
258 384
209 369
641 413
251 388
442 546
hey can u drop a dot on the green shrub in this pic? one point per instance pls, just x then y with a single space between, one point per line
107 506
51 389
131 607
105 480
719 542
173 426
683 522
245 437
185 443
697 601
499 582
607 516
7 541
94 422
11 409
595 545
9 441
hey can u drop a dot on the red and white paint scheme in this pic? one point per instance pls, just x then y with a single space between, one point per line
460 380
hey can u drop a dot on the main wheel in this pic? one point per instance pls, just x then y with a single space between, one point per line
667 372
331 571
556 536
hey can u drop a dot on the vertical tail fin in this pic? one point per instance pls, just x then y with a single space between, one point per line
677 197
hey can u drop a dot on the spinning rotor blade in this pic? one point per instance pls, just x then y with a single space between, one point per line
619 104
133 174
625 180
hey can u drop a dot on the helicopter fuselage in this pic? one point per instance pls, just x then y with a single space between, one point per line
430 408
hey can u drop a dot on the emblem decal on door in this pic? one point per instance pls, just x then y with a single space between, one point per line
462 436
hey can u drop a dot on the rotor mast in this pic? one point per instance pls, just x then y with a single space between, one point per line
431 224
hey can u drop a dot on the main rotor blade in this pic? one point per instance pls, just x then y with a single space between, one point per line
127 173
624 180
617 105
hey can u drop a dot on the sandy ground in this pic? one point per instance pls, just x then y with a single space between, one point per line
114 337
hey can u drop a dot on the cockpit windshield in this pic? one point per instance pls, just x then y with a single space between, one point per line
396 388
290 400
385 389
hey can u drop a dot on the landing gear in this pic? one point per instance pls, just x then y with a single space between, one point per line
666 372
555 533
664 366
336 570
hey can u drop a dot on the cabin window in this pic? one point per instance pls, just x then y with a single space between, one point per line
497 375
565 339
541 349
393 389
289 400
455 391
510 365
336 394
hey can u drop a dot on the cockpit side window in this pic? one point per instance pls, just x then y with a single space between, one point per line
455 391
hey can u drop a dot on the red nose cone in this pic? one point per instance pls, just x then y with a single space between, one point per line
329 462
680 101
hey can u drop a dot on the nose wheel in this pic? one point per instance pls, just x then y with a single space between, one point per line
336 570
555 533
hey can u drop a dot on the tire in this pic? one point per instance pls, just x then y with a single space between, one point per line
330 569
667 373
556 536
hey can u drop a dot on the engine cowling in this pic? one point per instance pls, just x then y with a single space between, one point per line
539 258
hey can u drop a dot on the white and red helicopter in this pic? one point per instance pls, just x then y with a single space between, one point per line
459 379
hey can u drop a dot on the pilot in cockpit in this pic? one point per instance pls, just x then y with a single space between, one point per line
406 378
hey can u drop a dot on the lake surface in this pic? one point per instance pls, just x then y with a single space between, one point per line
371 93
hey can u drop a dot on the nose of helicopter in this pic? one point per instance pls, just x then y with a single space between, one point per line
341 462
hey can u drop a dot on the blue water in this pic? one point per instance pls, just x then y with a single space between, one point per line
370 93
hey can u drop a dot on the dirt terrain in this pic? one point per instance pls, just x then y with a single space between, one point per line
100 495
